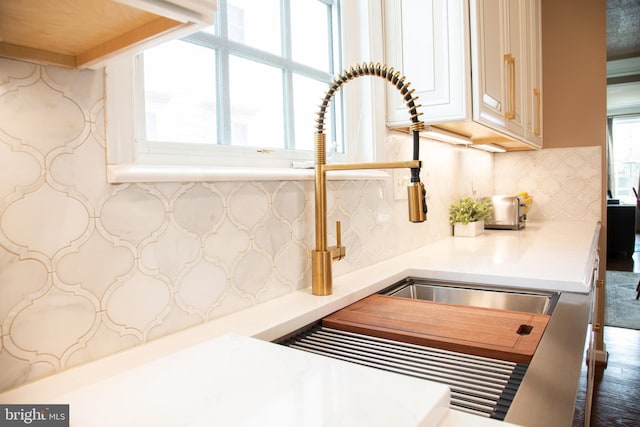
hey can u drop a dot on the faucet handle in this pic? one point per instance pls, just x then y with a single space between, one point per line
338 252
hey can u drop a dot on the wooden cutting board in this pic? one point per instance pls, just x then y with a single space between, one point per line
500 334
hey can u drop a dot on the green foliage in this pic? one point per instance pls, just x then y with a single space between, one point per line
469 210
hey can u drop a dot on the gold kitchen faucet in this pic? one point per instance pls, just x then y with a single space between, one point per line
322 256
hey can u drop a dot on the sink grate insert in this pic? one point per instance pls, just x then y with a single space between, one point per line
479 385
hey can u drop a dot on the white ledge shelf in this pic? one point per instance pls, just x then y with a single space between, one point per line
118 174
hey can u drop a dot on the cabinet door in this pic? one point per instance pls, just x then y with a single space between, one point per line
497 57
428 42
533 85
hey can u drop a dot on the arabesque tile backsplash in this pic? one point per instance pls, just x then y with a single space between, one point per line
88 269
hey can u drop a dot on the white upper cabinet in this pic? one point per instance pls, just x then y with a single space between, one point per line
428 42
533 82
475 65
498 59
81 34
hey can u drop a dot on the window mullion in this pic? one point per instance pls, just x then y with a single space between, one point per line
223 99
257 55
287 75
335 47
335 41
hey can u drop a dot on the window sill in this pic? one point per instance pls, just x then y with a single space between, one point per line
118 174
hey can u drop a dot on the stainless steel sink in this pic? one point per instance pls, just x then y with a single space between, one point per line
515 396
470 294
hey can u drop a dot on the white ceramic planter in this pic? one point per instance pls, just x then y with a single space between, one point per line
471 229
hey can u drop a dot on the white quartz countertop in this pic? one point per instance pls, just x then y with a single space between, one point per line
240 381
552 255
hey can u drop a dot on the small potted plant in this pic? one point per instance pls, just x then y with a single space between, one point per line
467 216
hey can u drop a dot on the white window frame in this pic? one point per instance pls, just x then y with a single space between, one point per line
363 114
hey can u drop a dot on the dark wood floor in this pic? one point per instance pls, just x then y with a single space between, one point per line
616 395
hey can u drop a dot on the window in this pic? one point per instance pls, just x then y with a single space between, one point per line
625 134
252 78
245 92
